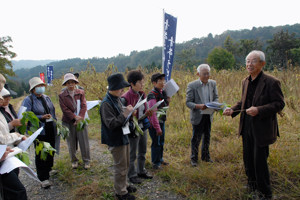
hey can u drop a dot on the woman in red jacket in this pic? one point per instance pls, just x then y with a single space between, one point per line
68 101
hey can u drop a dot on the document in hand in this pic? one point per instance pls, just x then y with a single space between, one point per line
171 88
21 110
153 108
24 145
211 107
139 103
13 163
214 105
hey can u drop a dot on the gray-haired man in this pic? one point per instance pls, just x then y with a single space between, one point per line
200 92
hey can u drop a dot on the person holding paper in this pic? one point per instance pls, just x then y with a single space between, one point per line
42 106
261 100
198 93
11 186
9 112
157 128
113 134
138 142
68 100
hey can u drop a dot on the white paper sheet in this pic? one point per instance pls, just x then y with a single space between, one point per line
78 107
140 102
153 108
2 150
92 104
21 110
16 151
214 105
24 145
12 163
171 88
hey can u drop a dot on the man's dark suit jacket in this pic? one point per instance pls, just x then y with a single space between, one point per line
269 100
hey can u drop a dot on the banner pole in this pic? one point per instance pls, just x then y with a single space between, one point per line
162 49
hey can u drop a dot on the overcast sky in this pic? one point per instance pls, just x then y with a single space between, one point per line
62 29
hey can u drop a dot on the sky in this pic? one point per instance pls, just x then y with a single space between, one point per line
62 29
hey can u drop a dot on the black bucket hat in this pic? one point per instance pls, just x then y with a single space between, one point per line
116 82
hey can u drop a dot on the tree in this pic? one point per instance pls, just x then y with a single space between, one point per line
246 46
231 46
280 46
187 58
6 55
220 58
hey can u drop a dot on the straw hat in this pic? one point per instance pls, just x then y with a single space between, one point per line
2 81
68 77
4 93
35 81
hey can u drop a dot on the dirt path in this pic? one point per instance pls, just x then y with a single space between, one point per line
150 190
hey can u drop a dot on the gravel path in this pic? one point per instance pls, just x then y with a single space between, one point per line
149 189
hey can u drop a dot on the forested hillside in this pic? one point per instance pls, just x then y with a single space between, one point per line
187 54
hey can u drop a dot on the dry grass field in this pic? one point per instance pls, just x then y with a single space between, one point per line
225 178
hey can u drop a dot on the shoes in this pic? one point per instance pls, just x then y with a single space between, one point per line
125 197
53 172
74 165
164 163
208 160
87 166
131 189
135 180
145 176
46 184
156 167
194 163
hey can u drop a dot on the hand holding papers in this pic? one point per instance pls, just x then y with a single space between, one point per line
211 107
171 88
153 108
139 103
24 145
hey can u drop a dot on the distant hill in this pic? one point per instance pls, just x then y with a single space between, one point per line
152 57
27 64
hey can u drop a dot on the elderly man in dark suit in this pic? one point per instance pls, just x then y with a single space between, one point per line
200 92
261 99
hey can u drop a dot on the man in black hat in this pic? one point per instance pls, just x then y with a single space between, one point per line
113 116
157 128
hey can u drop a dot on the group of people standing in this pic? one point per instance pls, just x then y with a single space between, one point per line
261 100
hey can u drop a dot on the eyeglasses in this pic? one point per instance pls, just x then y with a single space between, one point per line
254 61
205 74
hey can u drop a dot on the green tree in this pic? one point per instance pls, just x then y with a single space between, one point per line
246 46
279 48
295 56
187 58
6 55
231 46
220 58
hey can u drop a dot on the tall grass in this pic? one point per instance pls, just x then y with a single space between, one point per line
225 178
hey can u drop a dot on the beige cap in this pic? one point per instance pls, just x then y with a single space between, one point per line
4 93
68 77
2 81
35 81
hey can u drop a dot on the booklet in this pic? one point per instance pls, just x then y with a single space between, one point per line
24 145
153 108
211 107
139 103
171 88
21 110
12 163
